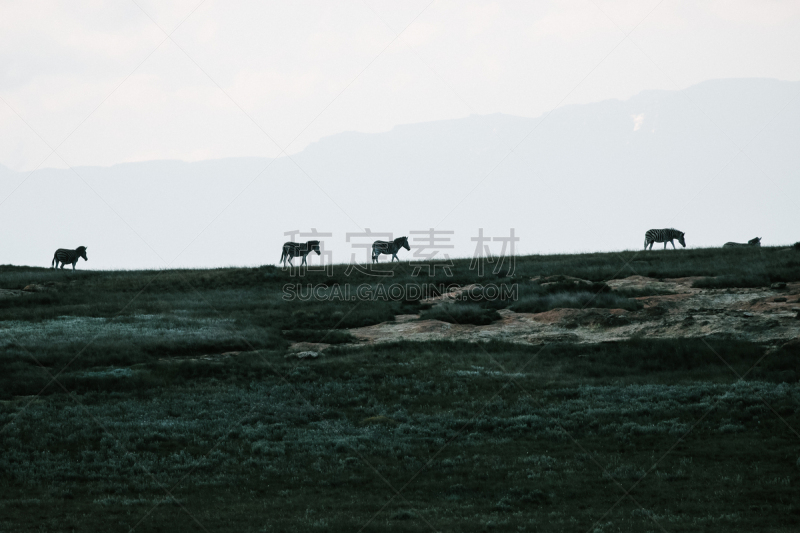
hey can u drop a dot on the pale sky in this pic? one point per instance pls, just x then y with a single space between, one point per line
102 84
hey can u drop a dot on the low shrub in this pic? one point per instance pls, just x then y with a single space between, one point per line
319 335
557 284
461 314
733 282
573 300
639 292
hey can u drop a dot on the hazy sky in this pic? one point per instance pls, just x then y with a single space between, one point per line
255 78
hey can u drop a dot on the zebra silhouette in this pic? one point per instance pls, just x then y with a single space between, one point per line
295 249
65 256
663 235
389 248
752 242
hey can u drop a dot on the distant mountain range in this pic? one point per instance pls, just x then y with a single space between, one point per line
719 160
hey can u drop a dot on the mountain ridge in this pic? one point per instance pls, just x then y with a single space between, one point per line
583 177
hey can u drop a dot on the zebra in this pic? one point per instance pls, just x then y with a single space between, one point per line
752 242
294 249
663 235
384 247
65 256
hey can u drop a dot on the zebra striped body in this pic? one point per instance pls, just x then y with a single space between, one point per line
389 248
298 249
65 256
752 242
663 235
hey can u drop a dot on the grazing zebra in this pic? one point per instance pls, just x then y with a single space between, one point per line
64 256
384 247
751 242
295 249
663 235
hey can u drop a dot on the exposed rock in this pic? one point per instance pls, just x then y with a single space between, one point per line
749 313
34 288
778 285
303 355
298 347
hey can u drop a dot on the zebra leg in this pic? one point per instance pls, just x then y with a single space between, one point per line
394 257
672 243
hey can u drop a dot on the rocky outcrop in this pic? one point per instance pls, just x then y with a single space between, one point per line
678 310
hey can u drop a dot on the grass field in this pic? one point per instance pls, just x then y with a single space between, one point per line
153 424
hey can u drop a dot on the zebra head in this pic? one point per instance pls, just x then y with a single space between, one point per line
755 242
82 252
313 245
682 240
403 241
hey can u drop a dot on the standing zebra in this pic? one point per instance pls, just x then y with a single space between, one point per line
295 249
64 256
751 242
663 235
389 248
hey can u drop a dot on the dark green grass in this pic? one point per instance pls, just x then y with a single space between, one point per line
490 437
461 313
496 436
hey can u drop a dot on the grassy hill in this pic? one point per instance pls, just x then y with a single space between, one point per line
167 400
